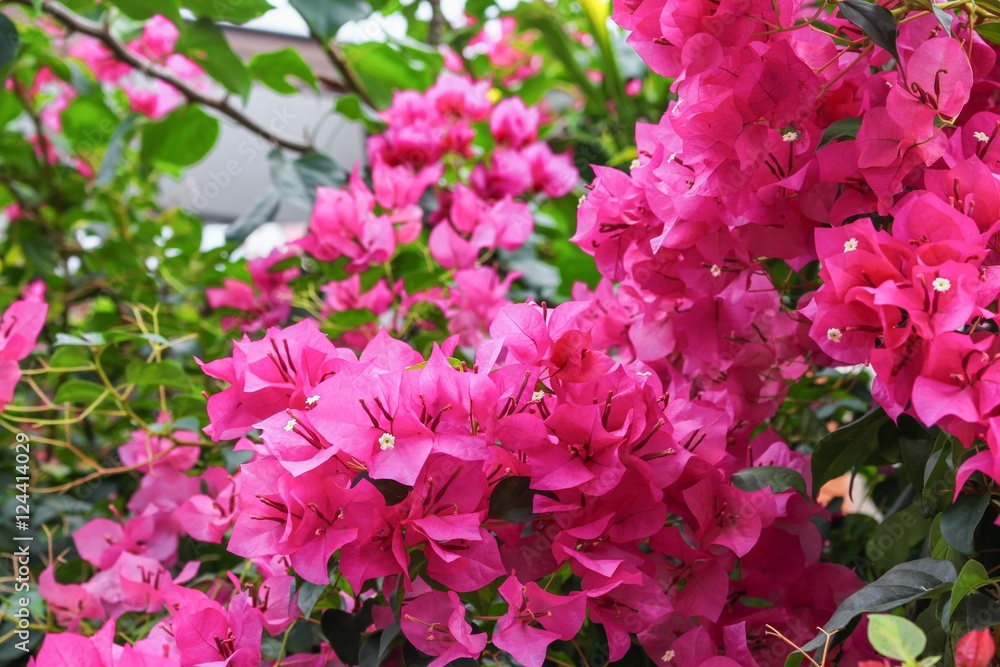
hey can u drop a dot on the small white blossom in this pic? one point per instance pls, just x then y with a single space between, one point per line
668 656
583 198
981 136
790 136
941 284
313 400
635 164
291 424
850 244
715 270
834 334
387 441
537 396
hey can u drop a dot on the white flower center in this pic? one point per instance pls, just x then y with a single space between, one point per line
537 396
715 270
291 424
850 244
790 136
313 400
941 284
583 198
635 164
981 136
668 656
834 334
387 441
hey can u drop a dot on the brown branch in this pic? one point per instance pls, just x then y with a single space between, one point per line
87 27
337 58
436 27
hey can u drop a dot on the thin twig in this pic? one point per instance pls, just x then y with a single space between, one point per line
85 26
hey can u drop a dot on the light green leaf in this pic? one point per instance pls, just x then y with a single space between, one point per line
179 140
896 637
232 11
274 68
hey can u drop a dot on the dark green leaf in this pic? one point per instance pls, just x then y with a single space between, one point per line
904 583
847 447
512 500
260 211
892 540
274 68
179 140
845 128
394 492
233 11
10 41
378 647
204 43
959 521
779 478
341 631
874 20
325 17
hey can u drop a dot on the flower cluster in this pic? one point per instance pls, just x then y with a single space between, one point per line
150 97
484 201
20 325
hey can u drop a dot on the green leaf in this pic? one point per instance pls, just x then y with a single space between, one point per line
904 583
261 210
959 521
10 41
384 68
88 124
345 320
847 447
944 18
378 647
298 179
114 152
325 17
779 478
159 374
181 139
989 31
233 11
895 637
892 540
204 43
512 500
874 20
309 593
76 390
845 128
69 357
343 630
972 576
352 107
275 67
142 10
89 339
